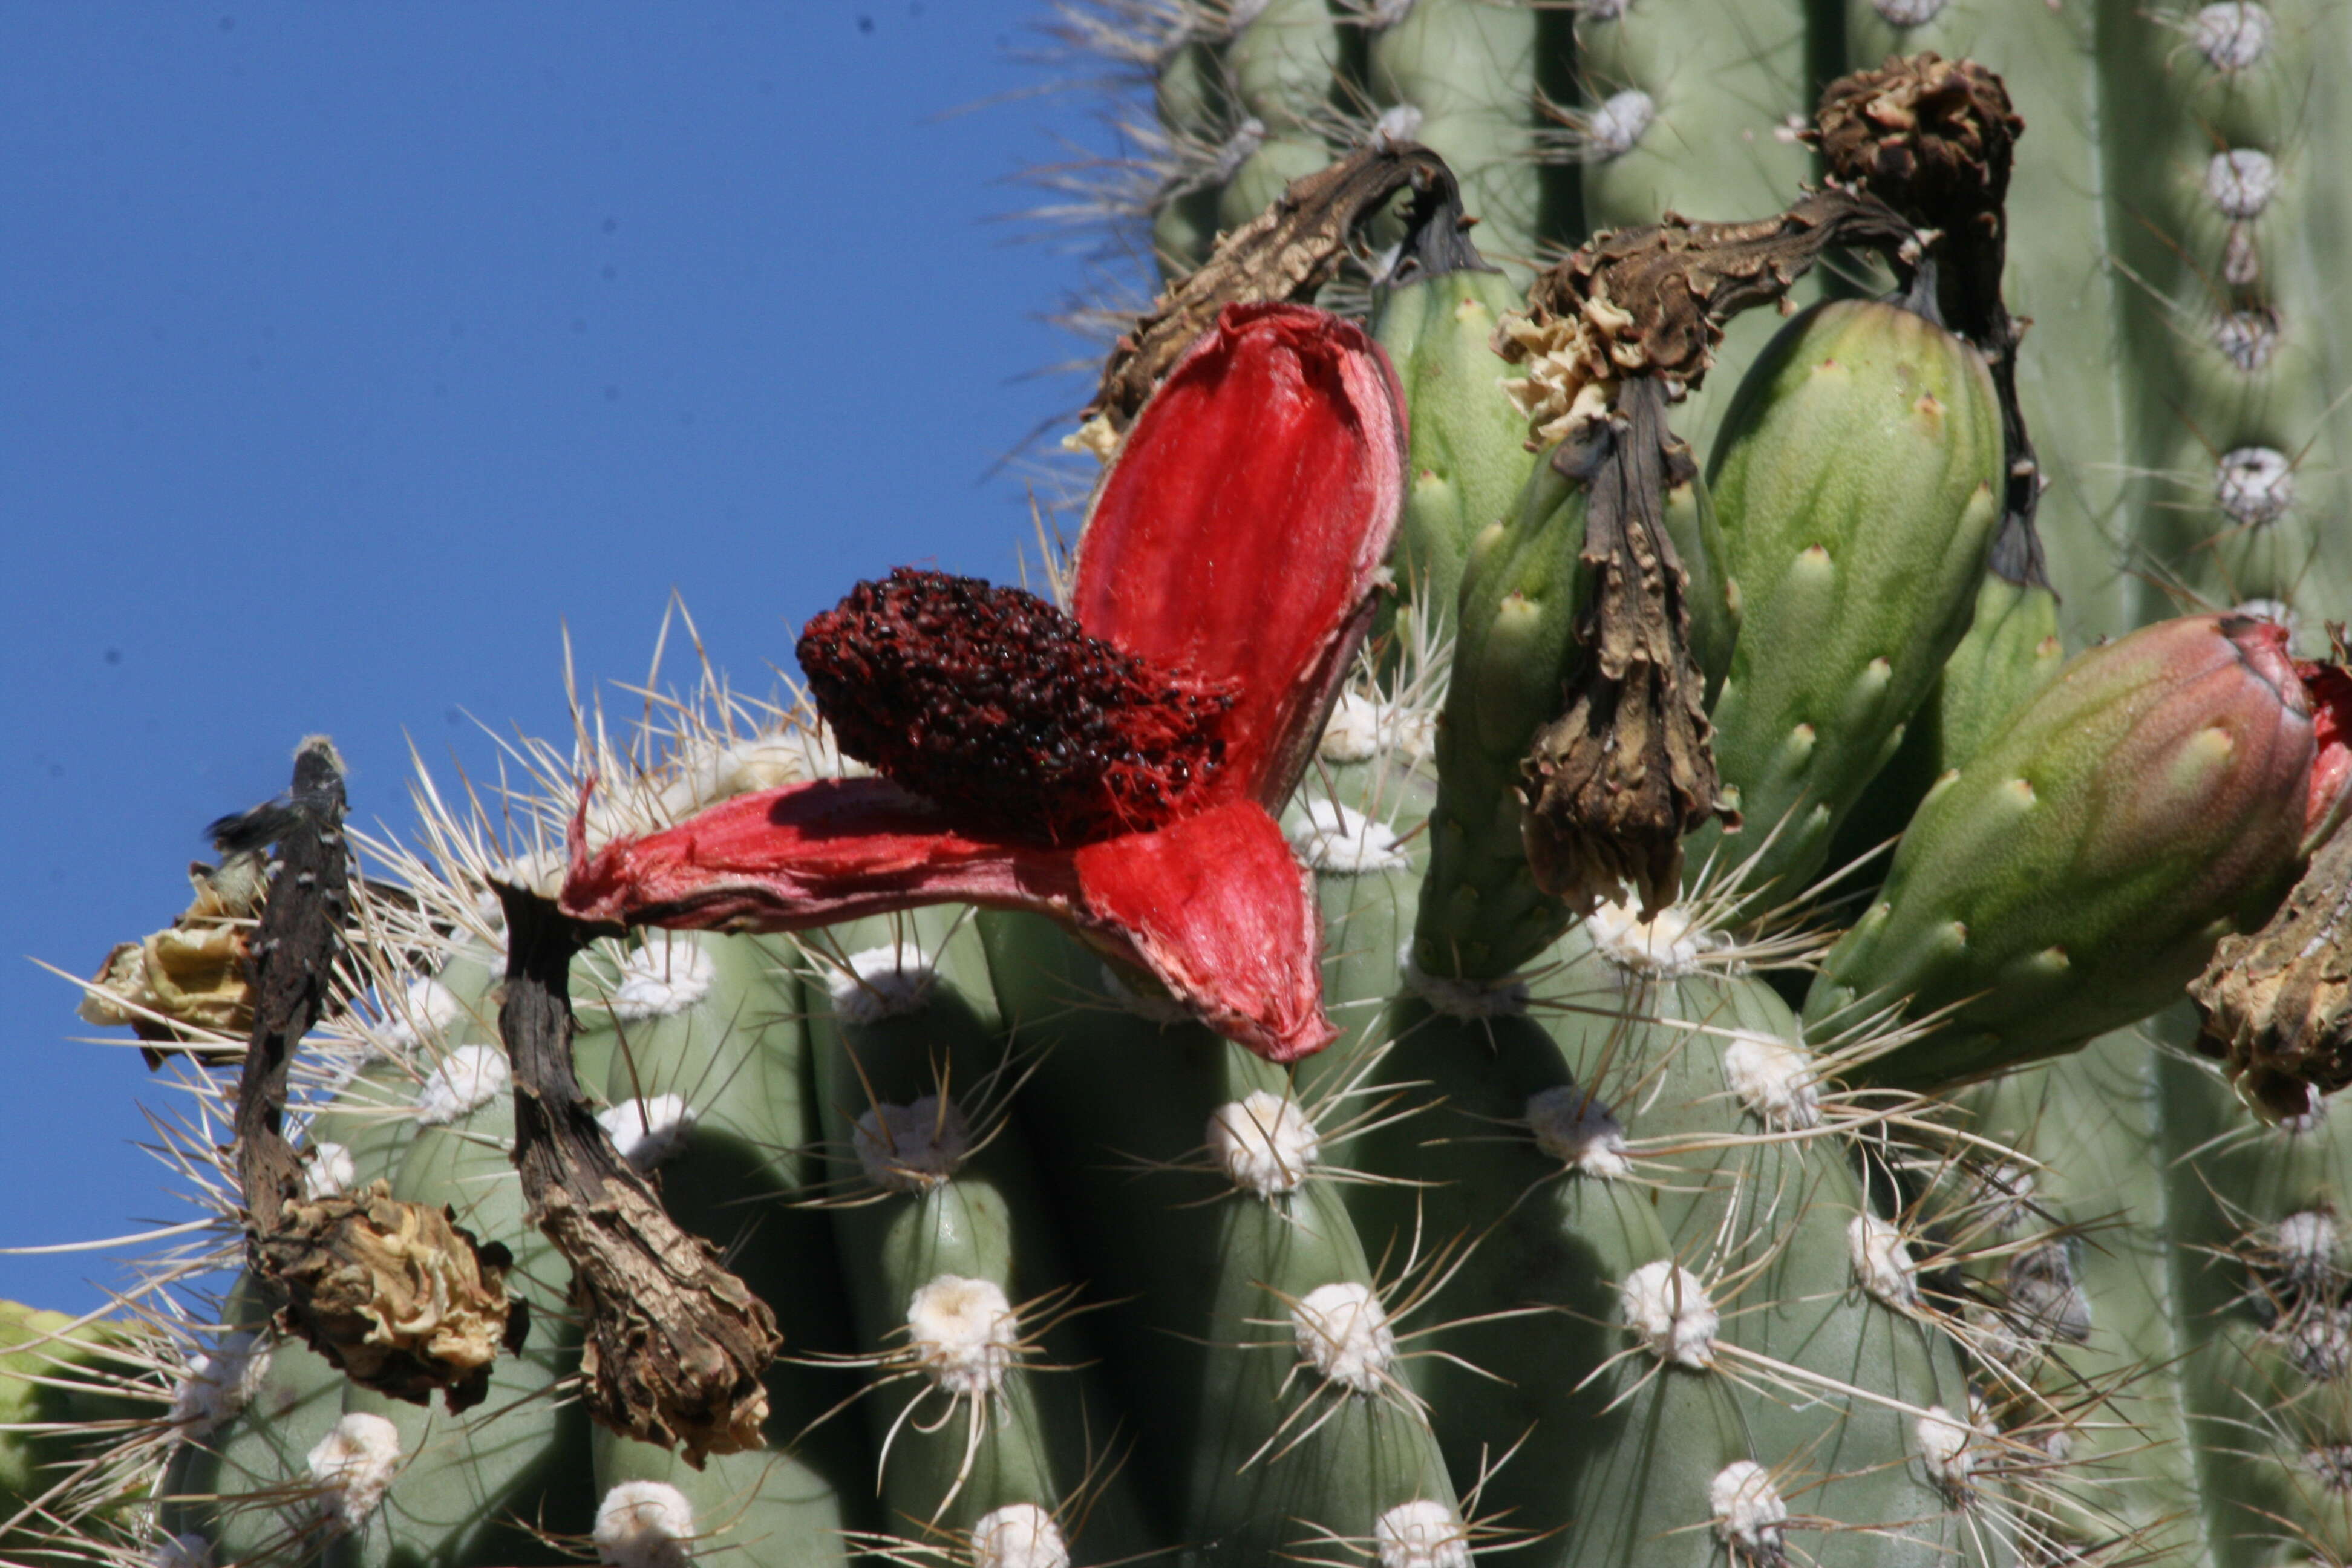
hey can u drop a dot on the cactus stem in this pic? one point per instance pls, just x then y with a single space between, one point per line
1270 1146
919 1145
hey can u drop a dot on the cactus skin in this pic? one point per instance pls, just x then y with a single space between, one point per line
2078 870
2237 323
1283 63
1855 579
1465 71
1467 460
2011 652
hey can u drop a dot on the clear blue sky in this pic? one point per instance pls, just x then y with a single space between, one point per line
349 353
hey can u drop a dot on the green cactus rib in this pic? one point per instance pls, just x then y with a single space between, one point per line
715 1033
1616 1454
2011 652
964 1273
2082 1303
1467 460
1351 824
1285 63
1624 1079
1260 1450
2192 1328
2234 317
1482 914
1777 1217
1464 72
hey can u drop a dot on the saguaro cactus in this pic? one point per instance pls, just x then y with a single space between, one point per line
1285 1049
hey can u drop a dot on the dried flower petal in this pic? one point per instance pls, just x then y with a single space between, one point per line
399 1296
1613 783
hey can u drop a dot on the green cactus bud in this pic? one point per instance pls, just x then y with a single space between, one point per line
54 1377
1856 484
1481 911
2011 651
2076 873
1468 457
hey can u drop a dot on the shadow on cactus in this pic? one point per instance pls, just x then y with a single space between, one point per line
1286 1047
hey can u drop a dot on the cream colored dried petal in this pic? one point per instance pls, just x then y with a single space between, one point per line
395 1293
1570 380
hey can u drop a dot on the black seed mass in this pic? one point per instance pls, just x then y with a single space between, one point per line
995 706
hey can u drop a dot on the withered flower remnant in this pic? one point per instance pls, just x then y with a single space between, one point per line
675 1346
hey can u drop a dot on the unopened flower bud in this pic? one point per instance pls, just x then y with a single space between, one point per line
2079 870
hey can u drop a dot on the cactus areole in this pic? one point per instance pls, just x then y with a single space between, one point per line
1118 770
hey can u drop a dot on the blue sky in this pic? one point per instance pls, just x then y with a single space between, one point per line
349 354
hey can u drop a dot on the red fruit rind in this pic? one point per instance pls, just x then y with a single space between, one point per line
805 856
1220 909
1241 532
1234 549
2328 687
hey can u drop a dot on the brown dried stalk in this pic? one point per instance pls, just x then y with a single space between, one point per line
1285 254
676 1345
2277 1004
1655 298
1611 786
398 1296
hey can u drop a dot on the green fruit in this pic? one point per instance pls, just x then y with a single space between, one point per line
1856 487
2079 870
